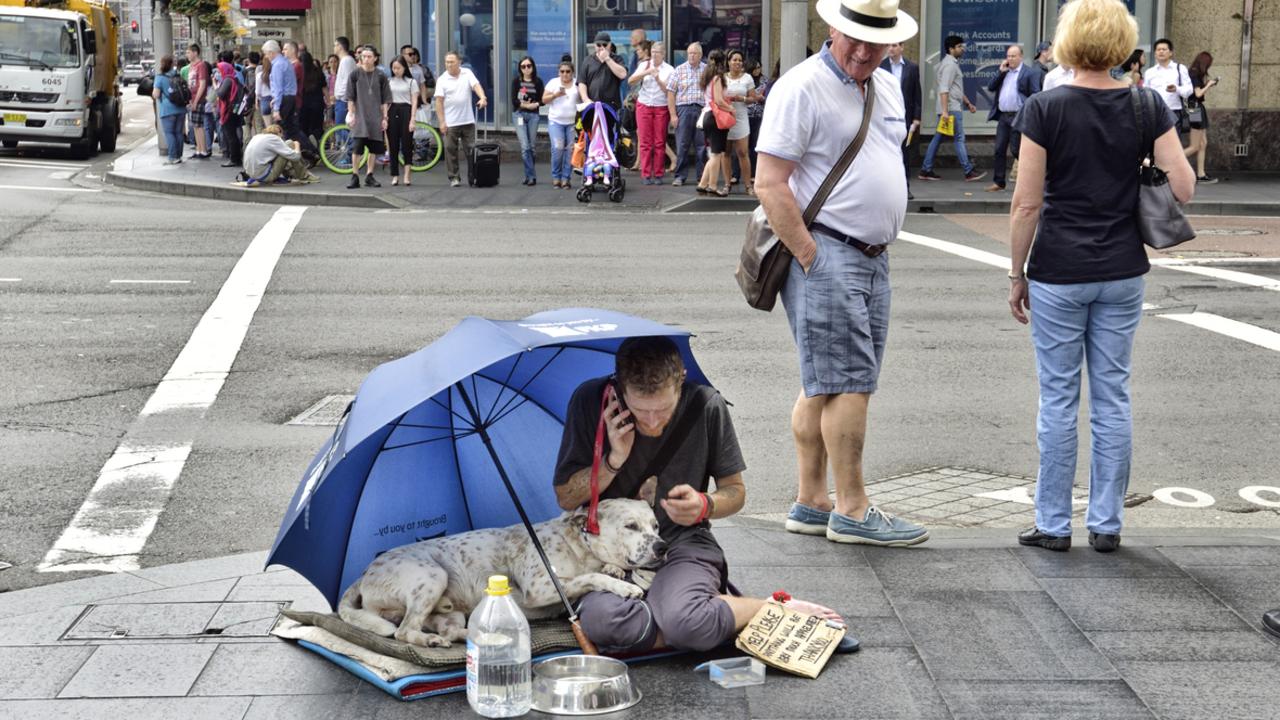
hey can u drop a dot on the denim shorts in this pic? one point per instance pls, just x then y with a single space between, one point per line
839 316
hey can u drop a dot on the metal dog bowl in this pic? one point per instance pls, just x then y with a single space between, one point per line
582 685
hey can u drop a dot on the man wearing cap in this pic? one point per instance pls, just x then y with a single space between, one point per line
837 293
601 76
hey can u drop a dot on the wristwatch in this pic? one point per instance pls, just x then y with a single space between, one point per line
1017 276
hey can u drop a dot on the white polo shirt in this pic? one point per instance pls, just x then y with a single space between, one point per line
814 112
1159 78
457 92
651 93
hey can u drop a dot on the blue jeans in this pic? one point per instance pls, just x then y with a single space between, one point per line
172 126
961 153
527 131
1091 323
689 137
340 118
562 139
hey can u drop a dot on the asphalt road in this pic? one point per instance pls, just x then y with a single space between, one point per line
100 291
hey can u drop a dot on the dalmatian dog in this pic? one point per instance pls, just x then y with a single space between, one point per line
422 593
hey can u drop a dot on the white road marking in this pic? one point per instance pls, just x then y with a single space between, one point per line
150 282
111 528
1022 496
42 164
1230 275
1217 261
61 175
10 279
1231 328
1253 494
1207 321
1178 497
47 189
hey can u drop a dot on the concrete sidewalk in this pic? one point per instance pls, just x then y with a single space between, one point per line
968 625
144 169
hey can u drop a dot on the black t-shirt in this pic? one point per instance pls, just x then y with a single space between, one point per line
602 85
710 451
1087 231
523 91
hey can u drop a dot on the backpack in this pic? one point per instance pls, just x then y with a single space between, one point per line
244 102
179 91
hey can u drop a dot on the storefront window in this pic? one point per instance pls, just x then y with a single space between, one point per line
429 34
717 24
541 30
473 38
619 18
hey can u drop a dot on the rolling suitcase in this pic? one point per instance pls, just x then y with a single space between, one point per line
482 168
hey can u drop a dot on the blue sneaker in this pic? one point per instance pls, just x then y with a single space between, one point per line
806 520
877 528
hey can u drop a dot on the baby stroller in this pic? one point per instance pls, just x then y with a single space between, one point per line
600 169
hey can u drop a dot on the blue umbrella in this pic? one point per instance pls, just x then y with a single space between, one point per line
458 436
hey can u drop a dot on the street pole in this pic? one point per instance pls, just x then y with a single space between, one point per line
162 44
795 32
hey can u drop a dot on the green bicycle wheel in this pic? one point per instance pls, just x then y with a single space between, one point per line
335 150
427 147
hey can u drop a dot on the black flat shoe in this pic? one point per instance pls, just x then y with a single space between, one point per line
354 182
1033 537
1271 622
371 181
1103 542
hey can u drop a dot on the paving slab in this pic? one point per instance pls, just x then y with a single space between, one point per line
975 635
211 591
143 620
924 569
374 705
1186 645
1133 562
1031 700
806 550
872 684
271 669
38 628
1249 590
132 708
139 670
73 592
853 593
1199 690
1140 604
1266 555
199 571
38 672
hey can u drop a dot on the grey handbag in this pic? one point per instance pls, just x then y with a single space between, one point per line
1160 220
765 260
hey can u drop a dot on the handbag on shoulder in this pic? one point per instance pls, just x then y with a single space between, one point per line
1160 220
765 260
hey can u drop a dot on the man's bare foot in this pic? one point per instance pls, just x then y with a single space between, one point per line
810 608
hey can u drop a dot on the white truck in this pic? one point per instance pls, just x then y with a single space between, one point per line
59 74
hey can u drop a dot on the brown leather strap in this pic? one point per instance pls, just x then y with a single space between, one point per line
846 159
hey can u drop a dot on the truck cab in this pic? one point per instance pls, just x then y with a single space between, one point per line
59 75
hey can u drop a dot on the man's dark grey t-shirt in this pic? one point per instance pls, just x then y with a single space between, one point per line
369 91
709 451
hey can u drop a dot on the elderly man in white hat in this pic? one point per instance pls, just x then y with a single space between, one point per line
837 293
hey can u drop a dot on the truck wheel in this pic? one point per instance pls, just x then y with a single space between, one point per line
84 148
11 144
107 135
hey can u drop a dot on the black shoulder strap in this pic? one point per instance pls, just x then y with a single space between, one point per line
678 435
1146 144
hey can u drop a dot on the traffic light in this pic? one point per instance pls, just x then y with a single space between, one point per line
133 26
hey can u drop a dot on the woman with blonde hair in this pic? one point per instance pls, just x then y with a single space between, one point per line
1083 284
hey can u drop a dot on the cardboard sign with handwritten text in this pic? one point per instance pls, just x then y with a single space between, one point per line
792 641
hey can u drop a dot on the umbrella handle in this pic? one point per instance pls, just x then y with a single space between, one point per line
588 647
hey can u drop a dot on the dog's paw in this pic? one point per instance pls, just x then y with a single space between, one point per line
626 589
417 637
614 571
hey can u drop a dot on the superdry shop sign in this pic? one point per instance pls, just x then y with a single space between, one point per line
271 34
287 6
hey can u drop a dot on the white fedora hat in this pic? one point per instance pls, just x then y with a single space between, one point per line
873 21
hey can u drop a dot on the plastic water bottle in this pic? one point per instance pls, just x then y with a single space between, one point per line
498 652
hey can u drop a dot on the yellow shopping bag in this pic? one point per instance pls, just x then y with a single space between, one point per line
947 125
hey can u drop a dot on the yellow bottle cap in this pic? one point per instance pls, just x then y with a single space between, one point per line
499 585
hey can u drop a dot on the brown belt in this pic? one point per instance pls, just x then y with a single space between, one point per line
868 250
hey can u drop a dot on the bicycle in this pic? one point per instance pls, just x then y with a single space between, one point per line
335 148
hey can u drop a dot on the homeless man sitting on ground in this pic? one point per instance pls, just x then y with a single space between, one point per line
689 606
268 157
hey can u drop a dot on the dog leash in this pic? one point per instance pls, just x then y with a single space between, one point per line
593 525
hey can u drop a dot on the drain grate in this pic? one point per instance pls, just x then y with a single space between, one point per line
327 411
159 621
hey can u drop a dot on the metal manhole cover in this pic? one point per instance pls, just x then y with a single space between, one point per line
1229 231
158 621
327 411
964 496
